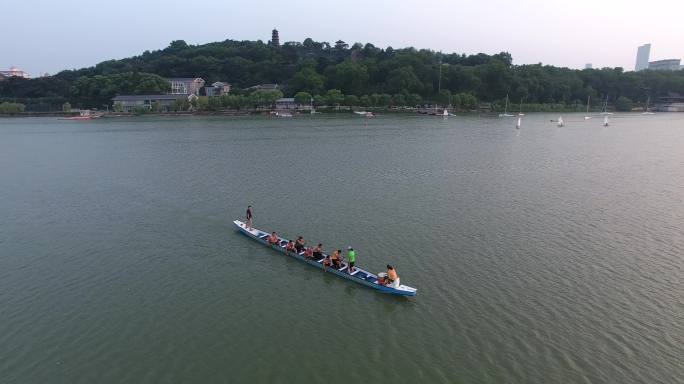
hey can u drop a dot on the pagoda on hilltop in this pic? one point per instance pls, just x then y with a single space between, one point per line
275 40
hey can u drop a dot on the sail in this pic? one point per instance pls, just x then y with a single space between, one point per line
586 116
506 114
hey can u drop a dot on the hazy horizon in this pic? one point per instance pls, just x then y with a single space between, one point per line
78 34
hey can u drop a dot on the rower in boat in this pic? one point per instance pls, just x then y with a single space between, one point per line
299 244
273 239
291 247
327 262
318 251
308 253
337 259
389 279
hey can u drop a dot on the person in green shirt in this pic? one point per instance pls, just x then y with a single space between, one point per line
351 259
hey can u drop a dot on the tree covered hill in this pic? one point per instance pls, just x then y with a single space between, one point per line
406 74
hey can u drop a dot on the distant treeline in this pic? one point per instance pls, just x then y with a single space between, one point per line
365 73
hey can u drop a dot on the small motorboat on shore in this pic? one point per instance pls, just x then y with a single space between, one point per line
83 115
359 275
282 114
364 113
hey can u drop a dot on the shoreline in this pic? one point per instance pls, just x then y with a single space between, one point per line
322 111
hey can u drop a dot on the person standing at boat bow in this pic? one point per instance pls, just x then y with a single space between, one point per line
249 217
351 258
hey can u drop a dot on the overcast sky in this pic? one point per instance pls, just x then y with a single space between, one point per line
48 35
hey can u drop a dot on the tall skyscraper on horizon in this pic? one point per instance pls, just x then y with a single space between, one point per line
643 55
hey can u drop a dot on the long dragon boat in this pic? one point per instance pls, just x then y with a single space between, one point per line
359 275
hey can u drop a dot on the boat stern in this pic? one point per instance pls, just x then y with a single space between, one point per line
405 290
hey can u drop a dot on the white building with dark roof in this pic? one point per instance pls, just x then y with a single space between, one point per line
218 88
286 103
185 85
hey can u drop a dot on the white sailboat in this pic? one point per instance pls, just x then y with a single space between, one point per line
506 114
605 108
646 112
560 122
586 116
521 112
445 113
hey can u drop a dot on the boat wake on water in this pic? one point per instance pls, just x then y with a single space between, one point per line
358 275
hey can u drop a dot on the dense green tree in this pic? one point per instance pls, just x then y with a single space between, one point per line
444 97
334 97
303 98
100 89
9 108
214 104
349 77
402 79
140 110
202 103
384 100
319 100
413 99
265 98
399 99
623 104
316 67
307 80
180 105
351 100
465 101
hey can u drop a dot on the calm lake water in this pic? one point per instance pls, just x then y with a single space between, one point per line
541 255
